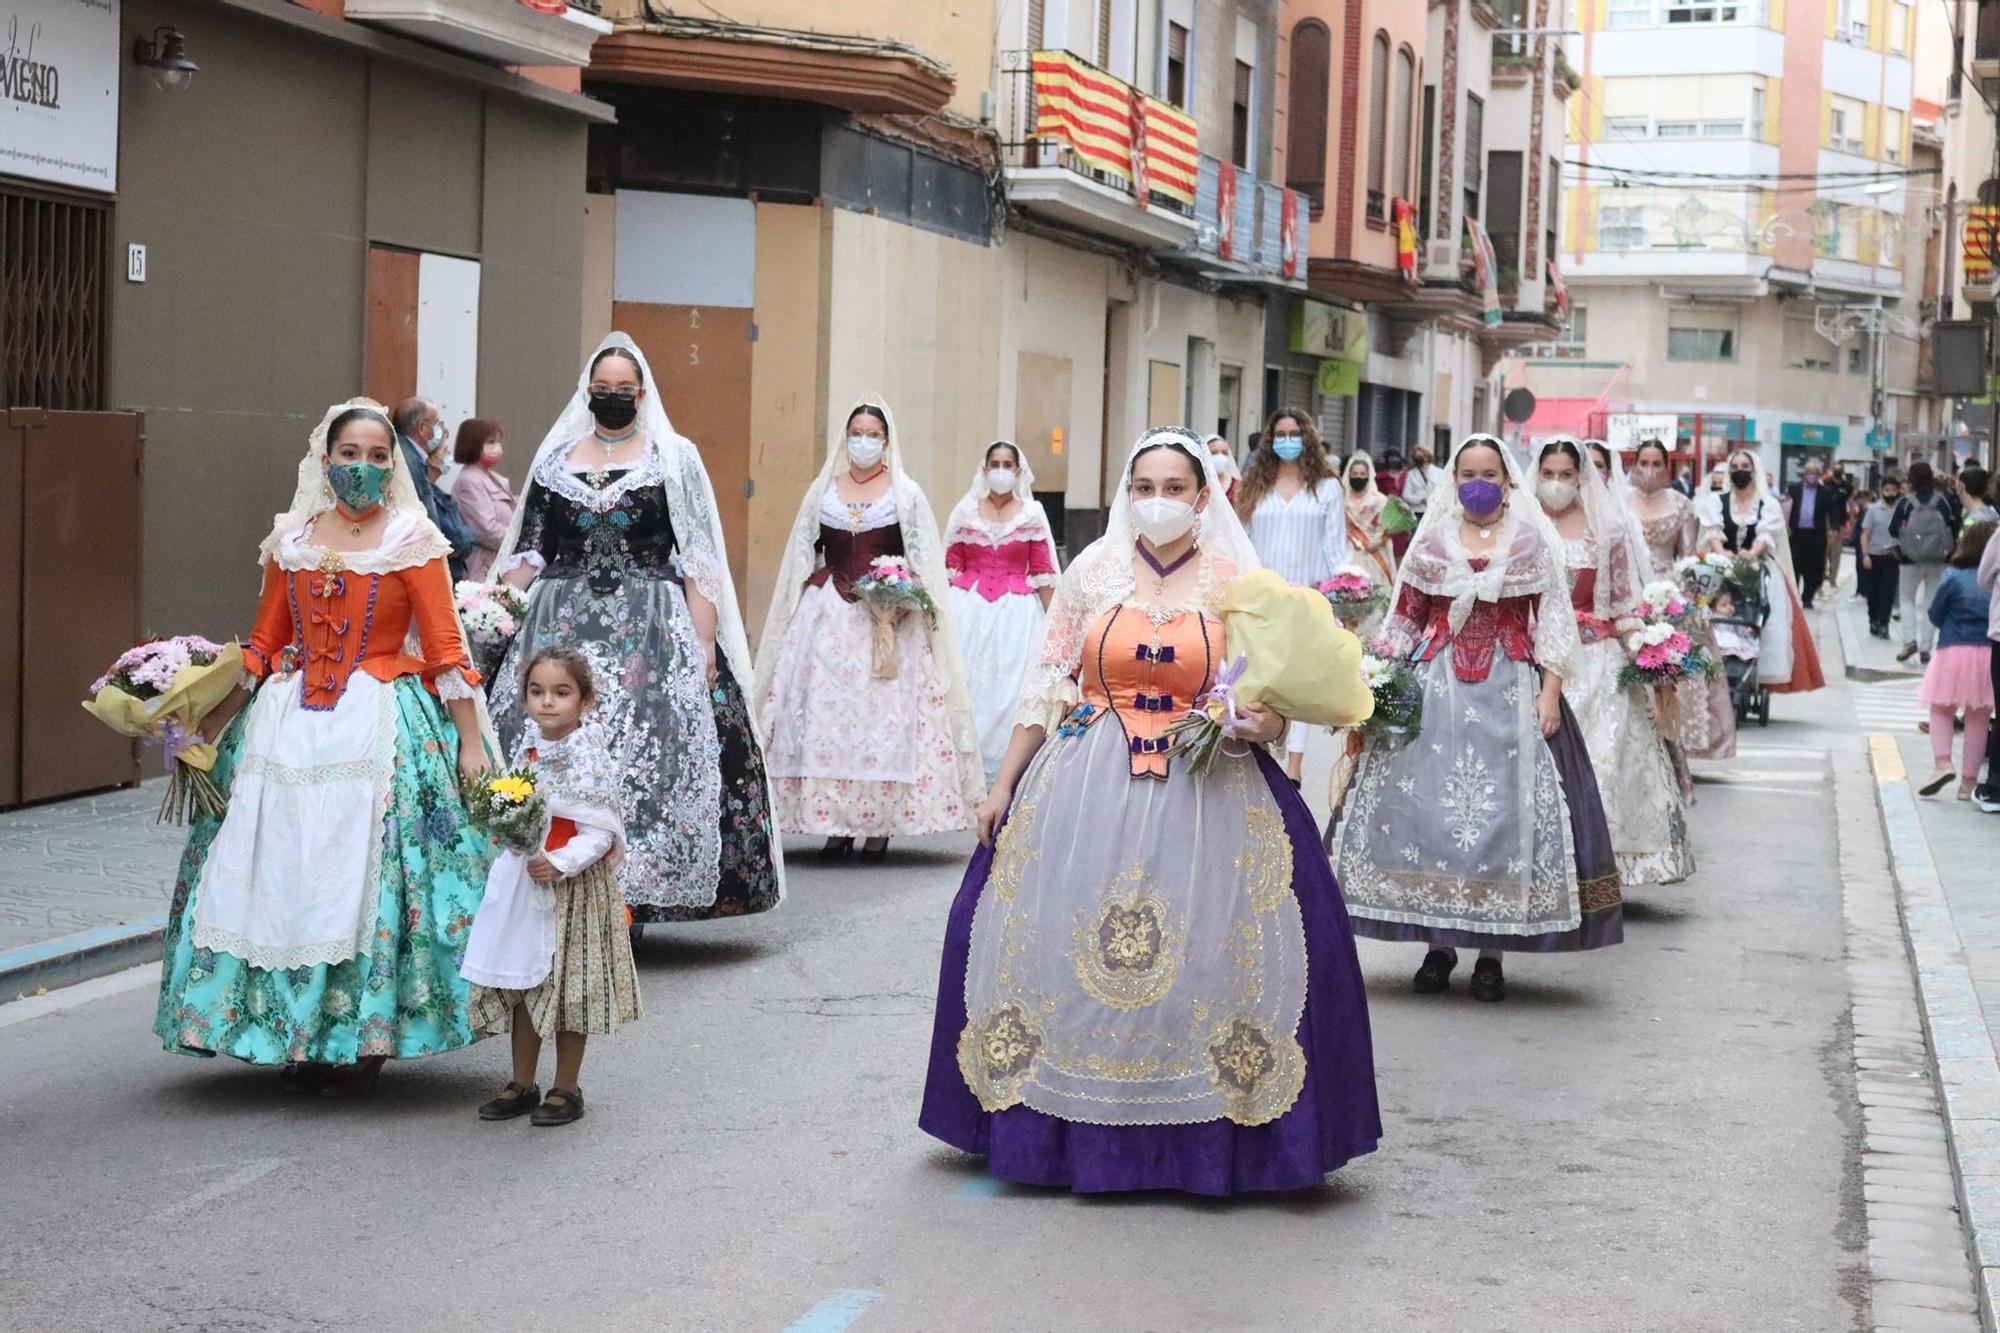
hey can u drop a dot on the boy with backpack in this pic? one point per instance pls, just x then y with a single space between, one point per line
1925 529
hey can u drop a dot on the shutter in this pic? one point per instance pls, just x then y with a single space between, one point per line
1475 142
1378 125
1305 143
1103 33
1334 415
1177 38
1037 23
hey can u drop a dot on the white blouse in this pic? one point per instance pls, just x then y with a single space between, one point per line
1303 539
835 512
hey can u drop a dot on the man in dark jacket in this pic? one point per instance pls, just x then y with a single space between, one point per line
1812 517
423 438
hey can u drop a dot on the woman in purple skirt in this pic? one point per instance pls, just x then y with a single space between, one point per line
1149 981
1483 828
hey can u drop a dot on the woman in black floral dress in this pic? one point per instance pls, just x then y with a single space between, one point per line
617 543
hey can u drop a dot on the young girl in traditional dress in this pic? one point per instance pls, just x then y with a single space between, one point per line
553 955
1511 851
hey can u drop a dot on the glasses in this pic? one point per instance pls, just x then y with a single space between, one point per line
625 392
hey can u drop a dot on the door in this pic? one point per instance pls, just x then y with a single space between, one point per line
78 593
1041 419
1163 394
701 357
423 331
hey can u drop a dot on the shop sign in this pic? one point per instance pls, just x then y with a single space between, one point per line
1626 431
59 66
1339 379
1323 330
1805 432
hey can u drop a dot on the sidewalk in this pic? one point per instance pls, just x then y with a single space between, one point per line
1868 658
85 888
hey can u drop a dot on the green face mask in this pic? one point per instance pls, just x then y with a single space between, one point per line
359 486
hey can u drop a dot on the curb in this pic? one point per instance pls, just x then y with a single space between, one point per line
1851 651
1967 1073
84 956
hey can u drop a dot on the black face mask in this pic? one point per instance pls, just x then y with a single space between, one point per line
1358 483
613 412
1741 477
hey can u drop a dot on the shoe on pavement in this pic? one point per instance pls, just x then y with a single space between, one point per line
1488 983
1909 651
1924 658
1434 977
1937 782
518 1100
1987 799
563 1106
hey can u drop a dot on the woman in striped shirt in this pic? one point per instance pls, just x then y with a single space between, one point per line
1290 501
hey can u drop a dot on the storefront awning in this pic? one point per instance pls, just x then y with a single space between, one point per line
856 73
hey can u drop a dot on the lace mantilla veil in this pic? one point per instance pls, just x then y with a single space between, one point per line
1623 564
1101 578
966 512
923 547
1438 564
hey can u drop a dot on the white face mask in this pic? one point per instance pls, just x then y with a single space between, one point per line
1556 495
865 450
1161 520
1000 480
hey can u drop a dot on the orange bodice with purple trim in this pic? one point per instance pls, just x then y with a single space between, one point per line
327 624
1148 677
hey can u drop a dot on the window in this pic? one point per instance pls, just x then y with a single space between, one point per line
1575 334
1406 97
1551 199
1475 153
1804 348
1503 211
1424 151
1239 116
1844 120
1378 129
1892 134
1860 354
1177 65
1757 92
1305 120
1850 20
1621 227
1722 129
1898 19
1629 14
1624 127
1677 129
1701 335
1706 11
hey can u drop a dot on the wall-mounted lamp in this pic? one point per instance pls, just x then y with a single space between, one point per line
164 56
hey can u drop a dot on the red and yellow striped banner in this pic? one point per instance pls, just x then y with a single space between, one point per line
1982 241
1173 152
1086 109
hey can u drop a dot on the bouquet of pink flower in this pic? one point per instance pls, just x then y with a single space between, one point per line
1664 648
492 615
1353 595
160 691
889 589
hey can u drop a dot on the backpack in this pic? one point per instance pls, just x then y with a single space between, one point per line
1926 538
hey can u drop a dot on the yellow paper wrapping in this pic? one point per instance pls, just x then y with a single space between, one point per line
1298 660
193 695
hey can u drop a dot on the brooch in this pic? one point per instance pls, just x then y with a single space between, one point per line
1078 720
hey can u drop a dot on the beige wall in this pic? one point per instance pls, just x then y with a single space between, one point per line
257 192
1053 303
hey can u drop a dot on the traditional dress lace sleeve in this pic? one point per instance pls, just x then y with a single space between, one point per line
1049 688
1556 640
534 527
701 563
273 627
447 666
1042 572
1407 620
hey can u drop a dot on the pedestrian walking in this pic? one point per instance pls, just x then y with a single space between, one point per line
1959 677
1877 573
1292 505
425 444
1482 614
1809 527
1608 569
484 497
1367 538
618 543
1841 512
1683 476
320 923
1148 981
1225 464
1925 525
1424 479
1987 795
865 745
1705 716
1746 520
1002 560
550 954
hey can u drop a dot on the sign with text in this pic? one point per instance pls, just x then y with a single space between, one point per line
1626 431
59 66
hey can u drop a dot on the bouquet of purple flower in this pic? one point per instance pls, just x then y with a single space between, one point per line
160 691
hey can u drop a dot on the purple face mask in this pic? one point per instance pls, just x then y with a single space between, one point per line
1480 498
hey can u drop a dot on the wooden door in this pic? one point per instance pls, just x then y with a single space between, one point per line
389 373
13 513
79 595
1163 394
701 357
1041 418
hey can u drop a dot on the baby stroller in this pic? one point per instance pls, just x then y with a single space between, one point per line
1737 615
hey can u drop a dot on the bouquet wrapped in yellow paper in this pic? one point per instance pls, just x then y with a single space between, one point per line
1286 652
159 692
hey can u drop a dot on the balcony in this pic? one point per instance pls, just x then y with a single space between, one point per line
1090 152
1247 229
499 32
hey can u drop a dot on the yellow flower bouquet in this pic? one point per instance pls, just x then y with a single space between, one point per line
159 692
510 807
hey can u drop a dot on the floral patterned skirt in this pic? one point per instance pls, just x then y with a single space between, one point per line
1635 773
591 986
404 998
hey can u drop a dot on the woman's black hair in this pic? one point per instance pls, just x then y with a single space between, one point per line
1173 443
623 354
1565 445
1009 446
354 414
1666 459
1922 477
1481 443
570 660
1601 452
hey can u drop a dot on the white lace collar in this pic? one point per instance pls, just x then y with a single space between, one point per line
408 540
556 475
971 519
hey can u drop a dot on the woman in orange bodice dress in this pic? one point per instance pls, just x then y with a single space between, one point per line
320 922
1148 979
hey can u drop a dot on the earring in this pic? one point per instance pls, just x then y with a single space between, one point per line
326 496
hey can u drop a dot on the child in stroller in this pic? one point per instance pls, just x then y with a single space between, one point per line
1736 615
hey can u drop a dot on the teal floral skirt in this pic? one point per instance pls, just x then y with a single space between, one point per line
405 998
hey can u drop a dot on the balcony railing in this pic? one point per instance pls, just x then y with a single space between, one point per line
1073 115
1248 227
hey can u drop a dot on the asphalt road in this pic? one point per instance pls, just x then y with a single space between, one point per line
1657 1136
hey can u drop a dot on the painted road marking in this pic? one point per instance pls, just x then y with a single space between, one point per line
1887 759
835 1313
